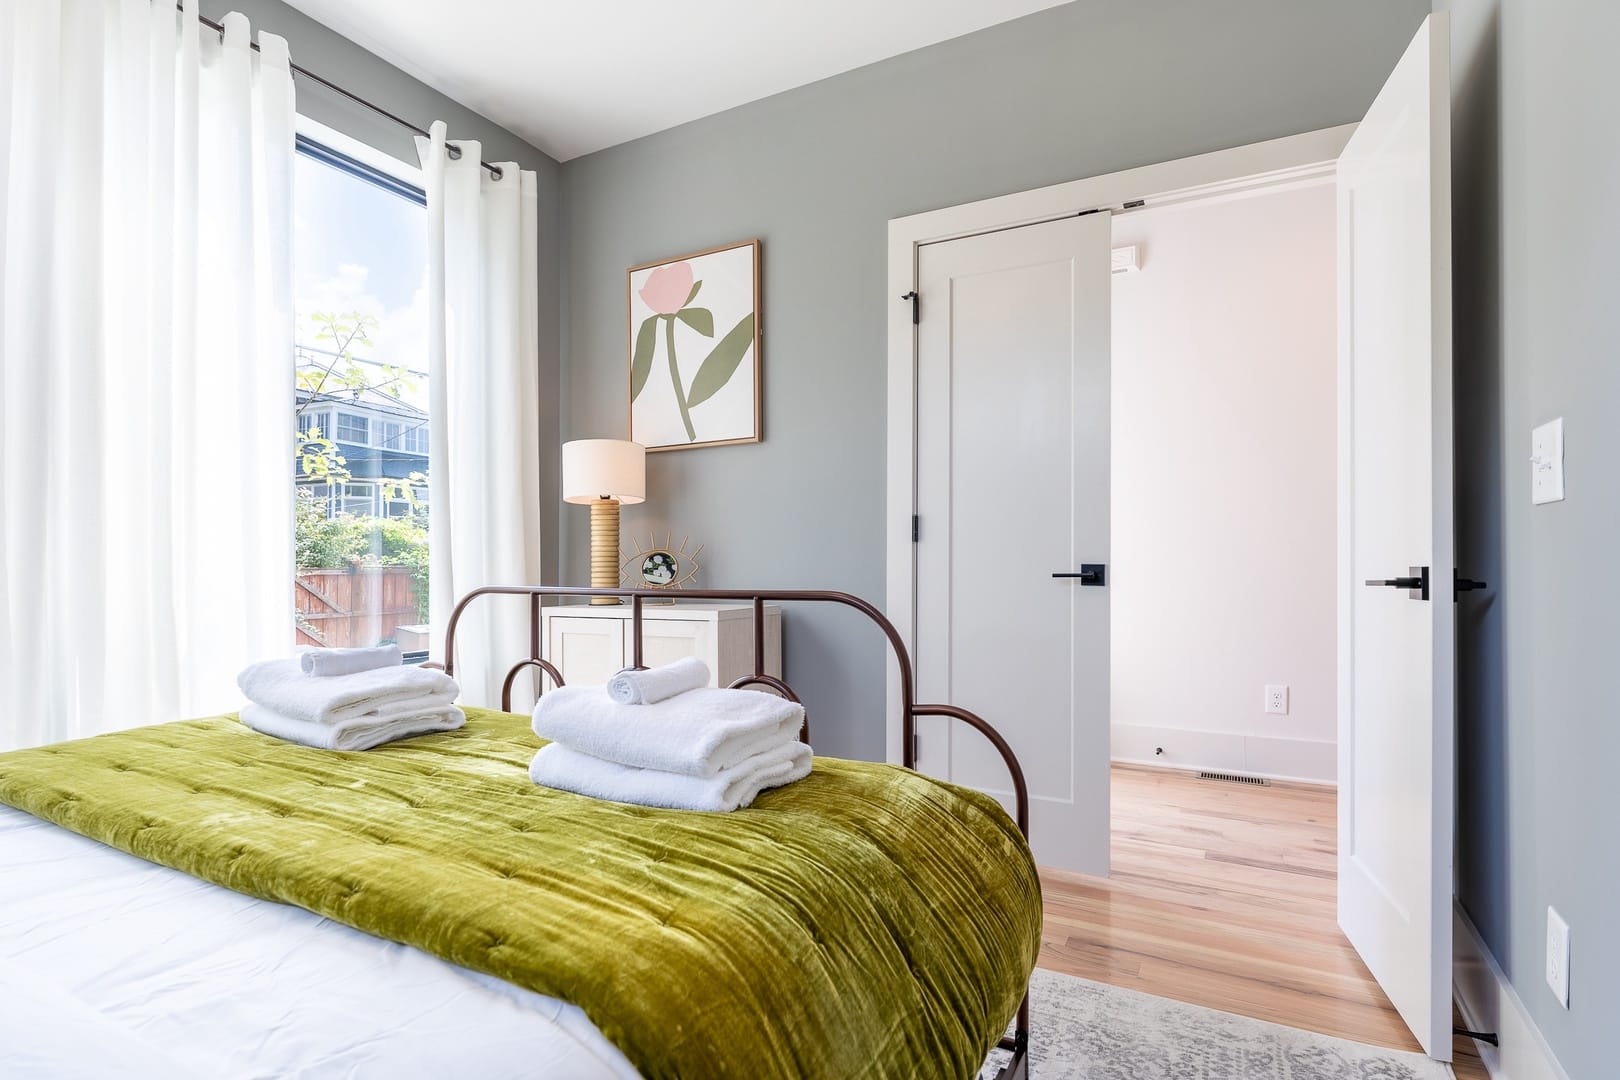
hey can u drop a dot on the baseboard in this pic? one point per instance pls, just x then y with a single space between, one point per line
1307 760
1488 1002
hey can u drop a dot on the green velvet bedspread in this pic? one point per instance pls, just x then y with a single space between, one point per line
867 921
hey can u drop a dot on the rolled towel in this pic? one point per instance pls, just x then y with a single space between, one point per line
558 766
282 686
357 733
329 662
698 733
655 684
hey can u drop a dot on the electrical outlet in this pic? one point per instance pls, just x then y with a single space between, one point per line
1558 956
1277 700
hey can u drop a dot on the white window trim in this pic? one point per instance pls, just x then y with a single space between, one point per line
361 152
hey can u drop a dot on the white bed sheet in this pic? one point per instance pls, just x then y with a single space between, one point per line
113 966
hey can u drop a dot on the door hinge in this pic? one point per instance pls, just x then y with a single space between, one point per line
914 298
916 527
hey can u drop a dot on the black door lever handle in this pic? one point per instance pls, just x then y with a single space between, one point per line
1090 573
1416 583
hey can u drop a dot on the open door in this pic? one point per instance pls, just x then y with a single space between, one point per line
1397 627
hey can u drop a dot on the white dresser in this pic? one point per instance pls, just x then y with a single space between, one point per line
589 643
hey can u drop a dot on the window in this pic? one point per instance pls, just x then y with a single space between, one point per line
359 500
361 397
353 429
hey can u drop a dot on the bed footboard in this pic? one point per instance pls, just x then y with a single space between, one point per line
1018 1042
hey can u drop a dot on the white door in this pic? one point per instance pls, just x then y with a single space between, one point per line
1397 659
1012 488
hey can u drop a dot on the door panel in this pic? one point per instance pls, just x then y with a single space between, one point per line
664 641
588 651
1397 653
1012 486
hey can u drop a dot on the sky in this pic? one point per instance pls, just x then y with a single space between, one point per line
358 249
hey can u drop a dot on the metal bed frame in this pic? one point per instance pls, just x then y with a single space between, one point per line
1018 1067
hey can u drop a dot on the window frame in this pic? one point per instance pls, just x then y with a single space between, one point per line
356 422
332 147
402 179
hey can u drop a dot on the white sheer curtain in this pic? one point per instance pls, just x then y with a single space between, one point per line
145 363
484 375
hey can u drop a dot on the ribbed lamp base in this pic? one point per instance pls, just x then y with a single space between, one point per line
605 548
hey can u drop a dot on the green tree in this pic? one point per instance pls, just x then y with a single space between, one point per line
318 455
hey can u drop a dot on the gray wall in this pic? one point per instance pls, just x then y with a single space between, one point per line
1088 88
343 62
1536 102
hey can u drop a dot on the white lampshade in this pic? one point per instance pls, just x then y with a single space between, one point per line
595 469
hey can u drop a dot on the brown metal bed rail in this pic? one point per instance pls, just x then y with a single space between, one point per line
1017 1068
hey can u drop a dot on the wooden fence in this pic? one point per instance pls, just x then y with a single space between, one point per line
354 608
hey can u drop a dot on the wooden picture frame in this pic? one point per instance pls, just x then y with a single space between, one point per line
693 331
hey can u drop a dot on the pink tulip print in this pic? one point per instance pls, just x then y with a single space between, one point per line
669 292
668 288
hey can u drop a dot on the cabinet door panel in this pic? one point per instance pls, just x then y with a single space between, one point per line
588 652
664 641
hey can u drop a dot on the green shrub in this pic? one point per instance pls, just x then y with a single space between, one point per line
323 543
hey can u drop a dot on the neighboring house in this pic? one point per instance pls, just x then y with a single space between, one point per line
380 436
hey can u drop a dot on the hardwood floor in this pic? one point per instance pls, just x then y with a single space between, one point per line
1223 895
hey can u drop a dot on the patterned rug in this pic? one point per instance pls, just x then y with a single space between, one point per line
1091 1031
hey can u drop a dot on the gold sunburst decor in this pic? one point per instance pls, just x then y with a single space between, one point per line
660 566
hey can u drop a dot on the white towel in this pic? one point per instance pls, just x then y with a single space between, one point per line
356 733
329 662
698 733
655 684
282 686
557 766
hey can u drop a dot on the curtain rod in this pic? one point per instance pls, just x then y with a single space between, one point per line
451 148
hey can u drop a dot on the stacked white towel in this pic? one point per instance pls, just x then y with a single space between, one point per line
327 662
704 749
353 711
562 767
651 685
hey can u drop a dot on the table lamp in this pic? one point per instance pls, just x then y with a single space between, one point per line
604 473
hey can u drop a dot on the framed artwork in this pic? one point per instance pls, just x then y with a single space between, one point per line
694 349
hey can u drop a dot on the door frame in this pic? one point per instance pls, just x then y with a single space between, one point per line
1232 172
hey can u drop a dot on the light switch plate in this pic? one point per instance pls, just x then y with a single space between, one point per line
1547 462
1558 956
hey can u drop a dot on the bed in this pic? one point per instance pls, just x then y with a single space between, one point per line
197 899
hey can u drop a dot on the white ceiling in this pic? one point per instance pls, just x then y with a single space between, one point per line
573 76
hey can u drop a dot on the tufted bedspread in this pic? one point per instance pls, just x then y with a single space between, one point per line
867 921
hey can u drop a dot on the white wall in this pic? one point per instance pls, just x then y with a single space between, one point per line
1223 484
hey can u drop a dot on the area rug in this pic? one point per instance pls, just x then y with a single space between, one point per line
1091 1031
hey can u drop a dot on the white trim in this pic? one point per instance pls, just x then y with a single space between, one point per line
1488 1002
1307 761
361 152
1224 173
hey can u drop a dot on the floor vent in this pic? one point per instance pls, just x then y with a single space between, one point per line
1232 778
